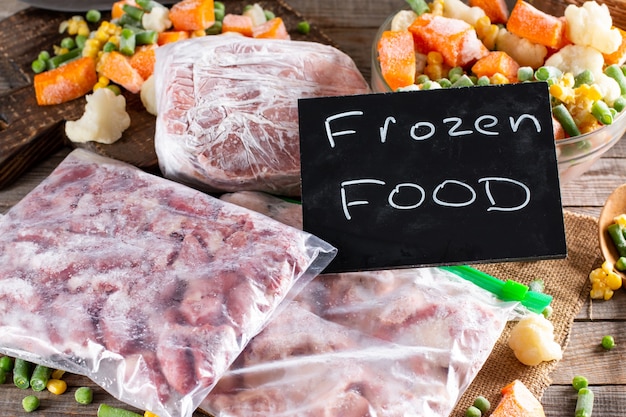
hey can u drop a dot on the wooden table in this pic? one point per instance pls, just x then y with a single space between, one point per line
352 25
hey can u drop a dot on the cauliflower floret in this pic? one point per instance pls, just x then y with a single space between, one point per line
402 20
158 19
256 13
576 59
523 51
591 25
456 9
609 88
532 340
104 120
148 95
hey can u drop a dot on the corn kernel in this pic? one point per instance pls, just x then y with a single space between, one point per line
56 386
434 57
499 78
83 30
482 25
57 374
103 80
613 281
434 71
621 220
149 414
436 7
198 33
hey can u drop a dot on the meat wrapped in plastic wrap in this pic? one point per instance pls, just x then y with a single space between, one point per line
146 286
228 108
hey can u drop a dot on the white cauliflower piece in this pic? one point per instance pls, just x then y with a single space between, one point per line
523 51
158 19
402 20
456 9
104 120
148 95
576 59
532 340
591 25
256 13
609 88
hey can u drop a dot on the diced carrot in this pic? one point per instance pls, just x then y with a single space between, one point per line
237 23
192 14
455 39
67 82
496 10
526 21
143 60
117 68
618 56
272 29
518 401
170 36
557 129
396 54
496 62
117 11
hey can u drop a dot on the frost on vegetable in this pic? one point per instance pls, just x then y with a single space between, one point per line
158 19
521 49
104 120
591 25
577 58
532 340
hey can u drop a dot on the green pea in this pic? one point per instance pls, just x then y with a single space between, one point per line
83 395
482 404
93 16
303 27
269 15
579 382
80 41
44 55
38 66
30 403
68 43
608 342
473 411
214 29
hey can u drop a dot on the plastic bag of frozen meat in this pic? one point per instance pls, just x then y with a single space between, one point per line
387 343
228 108
146 286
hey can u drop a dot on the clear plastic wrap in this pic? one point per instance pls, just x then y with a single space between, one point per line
148 287
228 108
386 343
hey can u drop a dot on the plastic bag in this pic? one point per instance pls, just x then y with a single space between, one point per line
228 108
386 343
148 287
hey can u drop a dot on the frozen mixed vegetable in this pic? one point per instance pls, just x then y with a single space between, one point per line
447 43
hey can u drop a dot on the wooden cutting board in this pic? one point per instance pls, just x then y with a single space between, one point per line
30 133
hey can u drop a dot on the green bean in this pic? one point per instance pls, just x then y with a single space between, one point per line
30 403
127 42
608 342
584 403
59 60
219 14
525 74
6 363
620 103
146 37
602 112
303 27
579 382
585 77
614 71
108 411
133 11
146 5
418 6
463 81
564 117
21 373
109 47
214 29
39 378
3 376
617 236
93 16
127 21
83 395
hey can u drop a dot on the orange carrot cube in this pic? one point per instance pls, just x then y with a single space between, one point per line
454 39
67 82
272 29
117 68
396 54
192 15
117 9
170 36
496 10
526 21
237 23
143 60
496 62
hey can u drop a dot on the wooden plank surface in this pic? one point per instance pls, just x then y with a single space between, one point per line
352 25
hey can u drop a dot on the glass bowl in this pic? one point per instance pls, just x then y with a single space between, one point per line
575 155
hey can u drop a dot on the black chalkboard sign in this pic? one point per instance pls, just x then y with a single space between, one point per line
424 178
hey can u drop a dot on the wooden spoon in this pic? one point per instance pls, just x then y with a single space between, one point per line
613 207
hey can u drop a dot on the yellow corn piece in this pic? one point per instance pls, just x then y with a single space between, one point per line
590 92
83 29
436 7
56 386
567 79
149 414
499 78
604 281
57 374
434 57
621 220
198 33
59 51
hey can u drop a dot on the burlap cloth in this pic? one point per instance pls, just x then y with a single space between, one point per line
567 280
